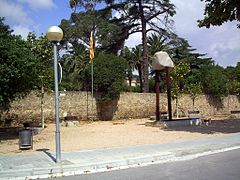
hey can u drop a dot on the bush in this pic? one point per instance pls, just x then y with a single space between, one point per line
109 73
214 81
18 67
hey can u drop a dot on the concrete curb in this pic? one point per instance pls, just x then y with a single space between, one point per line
122 158
114 165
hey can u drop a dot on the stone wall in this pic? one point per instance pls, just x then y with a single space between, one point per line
141 105
130 105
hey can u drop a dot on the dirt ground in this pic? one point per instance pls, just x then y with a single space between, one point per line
106 134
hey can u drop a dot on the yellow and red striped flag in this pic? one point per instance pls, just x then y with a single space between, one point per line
91 49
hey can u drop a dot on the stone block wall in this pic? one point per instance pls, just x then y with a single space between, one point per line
130 105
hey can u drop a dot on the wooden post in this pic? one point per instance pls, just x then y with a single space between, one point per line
157 89
169 94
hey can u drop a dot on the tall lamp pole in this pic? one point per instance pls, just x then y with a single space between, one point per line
55 34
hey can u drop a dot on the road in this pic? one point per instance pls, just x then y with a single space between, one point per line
221 166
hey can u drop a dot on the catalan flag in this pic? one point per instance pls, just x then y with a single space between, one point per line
91 49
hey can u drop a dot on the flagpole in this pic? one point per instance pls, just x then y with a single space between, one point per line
91 54
92 89
87 105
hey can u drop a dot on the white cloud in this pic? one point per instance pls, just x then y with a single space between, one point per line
224 47
19 15
20 30
221 42
188 12
39 4
14 13
134 40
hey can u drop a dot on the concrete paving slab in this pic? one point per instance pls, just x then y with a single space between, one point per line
42 165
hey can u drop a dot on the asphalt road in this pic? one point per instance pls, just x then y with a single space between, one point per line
221 166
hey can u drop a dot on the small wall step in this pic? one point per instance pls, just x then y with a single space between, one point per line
181 122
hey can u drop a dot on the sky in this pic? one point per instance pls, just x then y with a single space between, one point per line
222 43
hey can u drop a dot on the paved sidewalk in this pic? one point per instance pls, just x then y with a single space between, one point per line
41 164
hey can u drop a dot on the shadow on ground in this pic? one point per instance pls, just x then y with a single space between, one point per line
9 133
225 126
46 151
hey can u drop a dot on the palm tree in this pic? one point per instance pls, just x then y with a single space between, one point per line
74 65
135 61
128 56
137 55
157 43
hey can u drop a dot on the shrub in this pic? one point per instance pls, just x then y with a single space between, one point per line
109 74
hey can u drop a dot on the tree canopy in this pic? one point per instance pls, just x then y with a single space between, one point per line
109 73
18 66
219 11
133 16
42 50
114 21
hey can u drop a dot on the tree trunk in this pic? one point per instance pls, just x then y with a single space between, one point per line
157 89
42 104
130 83
193 99
145 51
177 107
140 76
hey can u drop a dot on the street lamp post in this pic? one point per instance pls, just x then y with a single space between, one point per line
55 34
